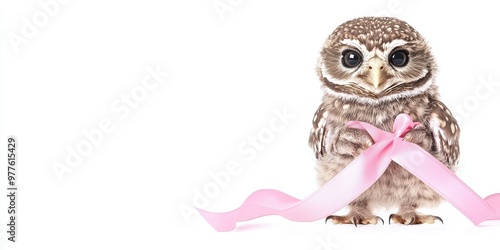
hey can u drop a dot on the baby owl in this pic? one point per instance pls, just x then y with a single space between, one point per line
373 69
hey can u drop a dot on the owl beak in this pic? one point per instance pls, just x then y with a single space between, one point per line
375 67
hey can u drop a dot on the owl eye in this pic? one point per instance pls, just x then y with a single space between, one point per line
351 58
399 58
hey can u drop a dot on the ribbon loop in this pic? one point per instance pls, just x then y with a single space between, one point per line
403 124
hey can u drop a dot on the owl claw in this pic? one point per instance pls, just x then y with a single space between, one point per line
380 218
439 219
414 219
390 218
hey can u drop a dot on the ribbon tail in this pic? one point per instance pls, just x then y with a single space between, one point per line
348 184
442 180
259 203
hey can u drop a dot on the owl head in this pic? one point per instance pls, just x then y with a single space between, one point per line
376 59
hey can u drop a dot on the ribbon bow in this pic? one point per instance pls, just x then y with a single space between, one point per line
357 177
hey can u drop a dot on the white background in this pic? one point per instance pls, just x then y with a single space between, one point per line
226 76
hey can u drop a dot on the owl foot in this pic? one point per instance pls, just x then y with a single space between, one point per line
420 136
356 220
414 219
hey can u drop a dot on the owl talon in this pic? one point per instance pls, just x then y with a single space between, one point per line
355 220
439 219
414 219
380 218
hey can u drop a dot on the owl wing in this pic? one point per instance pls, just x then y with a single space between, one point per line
319 132
445 131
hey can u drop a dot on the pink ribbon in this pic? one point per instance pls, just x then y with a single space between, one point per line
357 177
